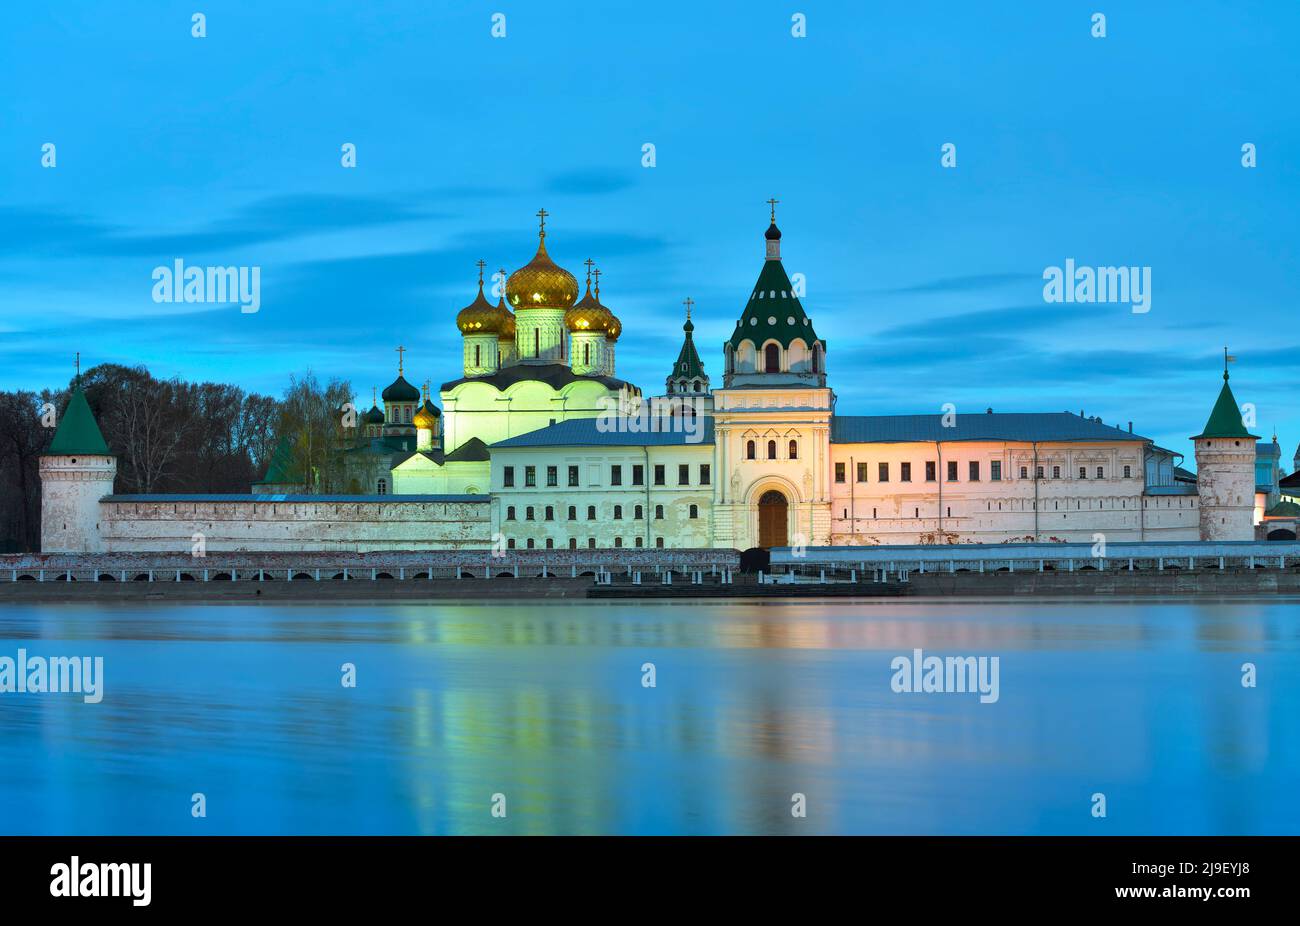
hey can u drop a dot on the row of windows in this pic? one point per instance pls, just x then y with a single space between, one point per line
530 544
751 450
638 512
615 475
972 471
1025 505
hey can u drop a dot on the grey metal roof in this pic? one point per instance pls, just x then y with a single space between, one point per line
1010 426
267 497
594 432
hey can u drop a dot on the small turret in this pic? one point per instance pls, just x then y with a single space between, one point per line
688 377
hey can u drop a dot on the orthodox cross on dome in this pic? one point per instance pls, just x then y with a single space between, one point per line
772 202
481 265
590 263
374 396
426 382
595 272
78 368
542 214
502 271
400 351
688 302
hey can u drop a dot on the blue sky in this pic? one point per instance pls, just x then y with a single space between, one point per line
926 282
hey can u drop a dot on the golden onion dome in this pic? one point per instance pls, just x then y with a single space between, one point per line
427 416
540 284
481 316
588 315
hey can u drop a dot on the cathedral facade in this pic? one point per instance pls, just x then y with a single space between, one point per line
538 445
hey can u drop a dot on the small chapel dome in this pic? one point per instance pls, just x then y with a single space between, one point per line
427 416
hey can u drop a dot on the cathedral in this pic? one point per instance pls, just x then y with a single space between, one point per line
537 444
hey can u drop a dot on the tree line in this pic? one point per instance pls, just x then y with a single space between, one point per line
173 436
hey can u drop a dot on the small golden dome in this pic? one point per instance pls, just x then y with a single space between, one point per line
481 316
426 416
588 315
540 284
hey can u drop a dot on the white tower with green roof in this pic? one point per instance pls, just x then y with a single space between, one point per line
1225 471
772 420
76 472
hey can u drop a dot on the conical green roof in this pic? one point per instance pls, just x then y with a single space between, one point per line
688 365
77 432
773 310
279 469
1225 419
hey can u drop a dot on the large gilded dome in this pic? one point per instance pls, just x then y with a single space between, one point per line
540 284
589 315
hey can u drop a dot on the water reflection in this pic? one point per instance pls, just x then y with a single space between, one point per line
543 702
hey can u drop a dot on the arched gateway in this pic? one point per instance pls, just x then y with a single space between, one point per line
773 520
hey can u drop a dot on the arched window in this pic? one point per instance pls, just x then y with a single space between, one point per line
639 512
771 359
537 342
771 450
659 541
591 512
750 452
573 543
477 351
659 512
618 541
550 543
573 513
381 487
794 450
817 358
695 511
586 354
529 544
695 386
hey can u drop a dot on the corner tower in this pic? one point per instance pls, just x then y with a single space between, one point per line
76 472
1225 471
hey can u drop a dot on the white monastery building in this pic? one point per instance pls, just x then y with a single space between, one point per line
538 445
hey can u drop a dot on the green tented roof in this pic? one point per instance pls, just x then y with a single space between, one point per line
279 470
1225 419
688 365
77 432
773 311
